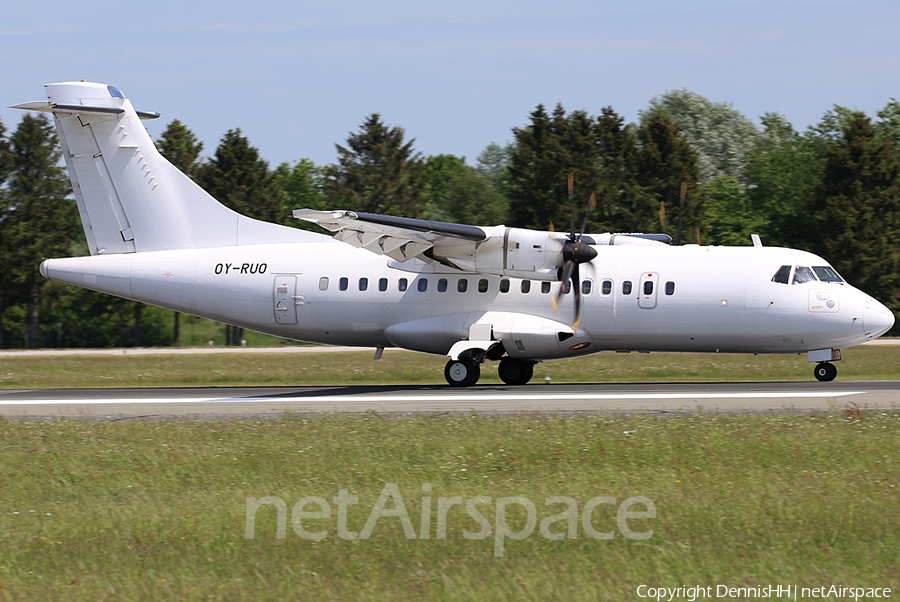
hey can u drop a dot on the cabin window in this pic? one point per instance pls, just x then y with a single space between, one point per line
648 287
382 284
483 285
442 285
545 287
606 287
422 285
586 287
343 283
827 274
783 275
462 286
504 286
626 287
670 288
803 274
363 284
526 287
323 283
402 284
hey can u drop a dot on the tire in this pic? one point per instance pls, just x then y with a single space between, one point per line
825 372
462 372
515 372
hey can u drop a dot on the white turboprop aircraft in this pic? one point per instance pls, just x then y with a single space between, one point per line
472 293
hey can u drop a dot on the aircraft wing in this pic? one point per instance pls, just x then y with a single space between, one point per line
400 238
496 250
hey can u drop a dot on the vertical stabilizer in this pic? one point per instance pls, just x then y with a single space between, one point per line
130 197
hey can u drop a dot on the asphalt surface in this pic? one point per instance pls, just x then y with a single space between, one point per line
257 401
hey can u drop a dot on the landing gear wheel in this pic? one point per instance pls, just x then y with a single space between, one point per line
515 372
825 371
462 372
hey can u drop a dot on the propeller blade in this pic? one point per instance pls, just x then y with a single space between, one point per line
571 206
592 203
576 285
568 266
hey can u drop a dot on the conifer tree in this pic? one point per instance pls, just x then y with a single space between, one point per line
545 152
860 196
377 172
40 217
180 146
664 161
5 228
241 180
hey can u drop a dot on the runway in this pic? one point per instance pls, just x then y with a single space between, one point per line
254 401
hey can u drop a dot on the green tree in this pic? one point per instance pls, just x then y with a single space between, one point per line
38 214
241 180
180 146
730 218
493 162
722 137
5 228
888 124
664 161
377 172
438 171
784 171
302 186
860 194
546 151
468 198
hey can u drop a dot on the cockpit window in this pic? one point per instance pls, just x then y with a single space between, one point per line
803 274
115 92
826 273
783 275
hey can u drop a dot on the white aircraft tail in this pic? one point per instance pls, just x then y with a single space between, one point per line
130 197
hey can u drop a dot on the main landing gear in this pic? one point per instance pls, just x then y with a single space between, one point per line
825 371
465 371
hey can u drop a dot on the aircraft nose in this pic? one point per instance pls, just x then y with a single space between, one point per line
877 319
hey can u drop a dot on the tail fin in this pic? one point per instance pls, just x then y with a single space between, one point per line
130 197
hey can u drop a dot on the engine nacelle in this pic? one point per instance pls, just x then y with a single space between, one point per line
516 253
529 254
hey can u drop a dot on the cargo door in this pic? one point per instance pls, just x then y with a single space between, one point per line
285 299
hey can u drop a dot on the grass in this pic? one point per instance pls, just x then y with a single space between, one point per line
156 510
358 368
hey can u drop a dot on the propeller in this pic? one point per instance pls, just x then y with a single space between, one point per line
575 252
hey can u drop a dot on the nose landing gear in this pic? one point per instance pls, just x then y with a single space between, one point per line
825 371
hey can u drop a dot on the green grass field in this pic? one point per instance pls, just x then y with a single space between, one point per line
400 367
143 510
157 510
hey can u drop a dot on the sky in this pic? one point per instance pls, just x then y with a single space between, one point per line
298 77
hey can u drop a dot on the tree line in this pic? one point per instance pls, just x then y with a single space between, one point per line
833 189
